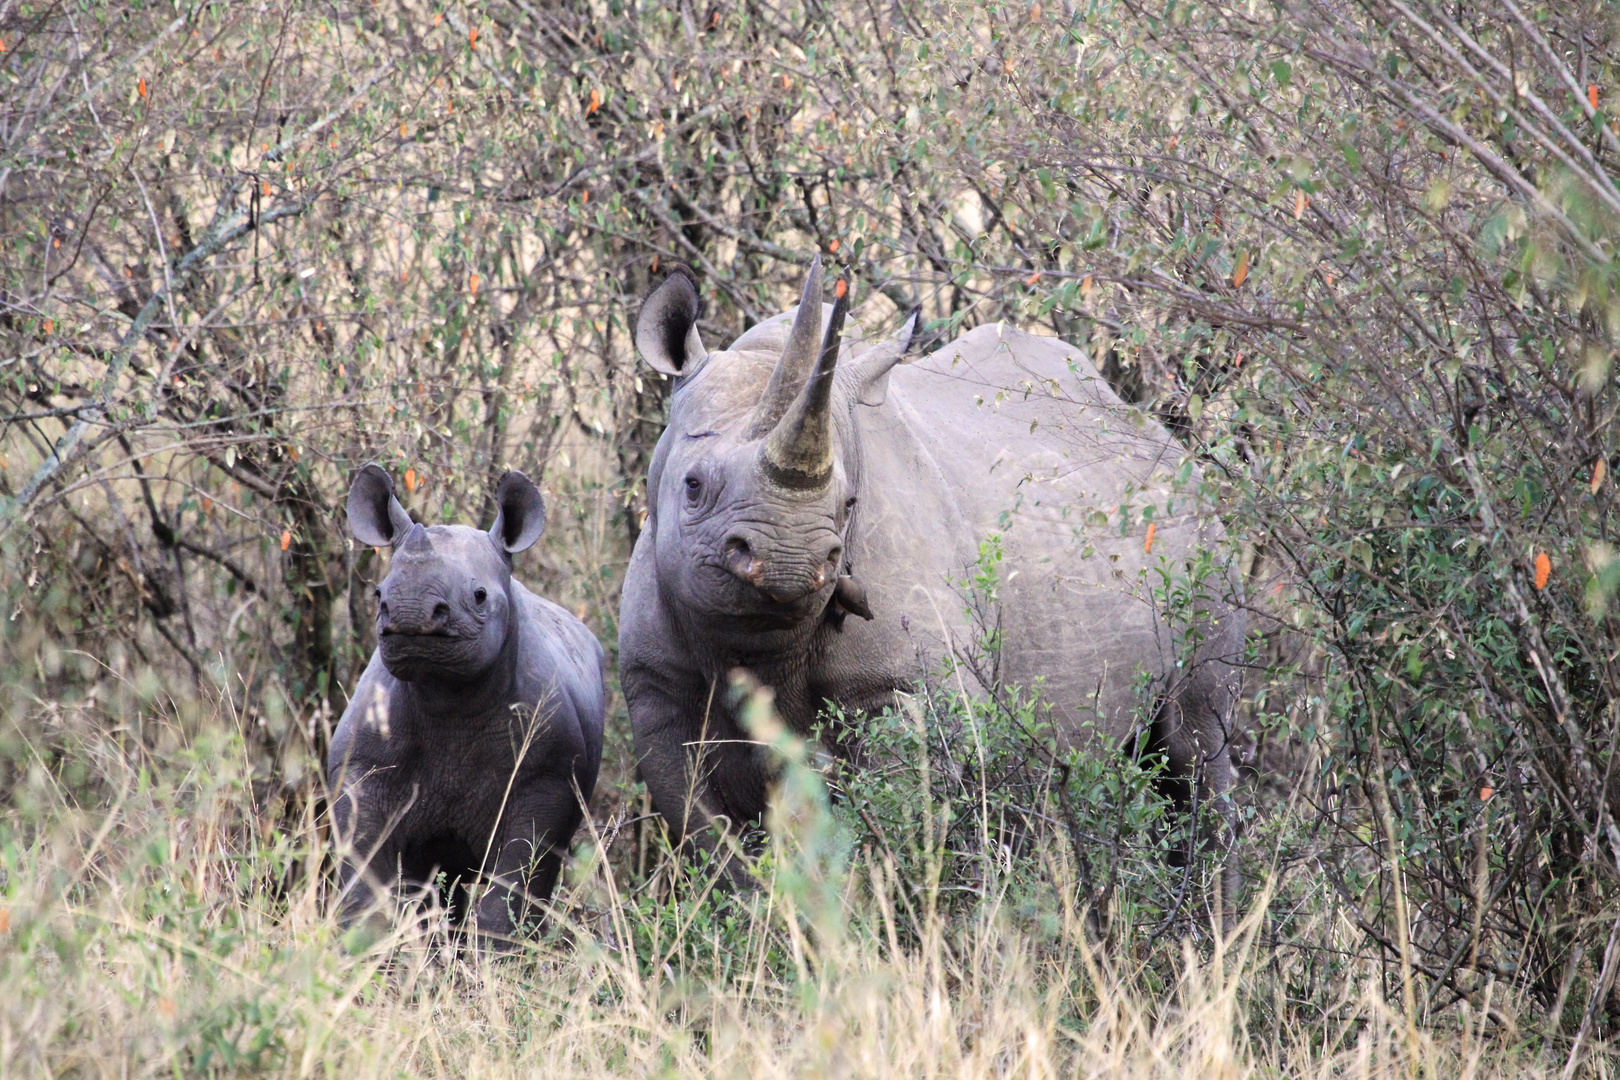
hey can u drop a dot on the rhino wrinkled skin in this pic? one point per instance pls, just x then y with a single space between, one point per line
475 732
814 505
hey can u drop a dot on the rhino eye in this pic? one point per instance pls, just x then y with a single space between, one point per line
849 503
693 486
479 596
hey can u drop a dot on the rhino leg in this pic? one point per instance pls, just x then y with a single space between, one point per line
527 854
370 848
1192 730
706 778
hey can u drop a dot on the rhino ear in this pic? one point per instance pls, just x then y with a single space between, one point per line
520 513
868 375
375 516
666 325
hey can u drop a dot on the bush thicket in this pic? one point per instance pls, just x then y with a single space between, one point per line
1358 255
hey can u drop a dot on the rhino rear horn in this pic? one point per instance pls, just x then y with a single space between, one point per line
798 453
375 516
520 513
666 325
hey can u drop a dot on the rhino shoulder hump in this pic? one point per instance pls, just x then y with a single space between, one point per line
565 660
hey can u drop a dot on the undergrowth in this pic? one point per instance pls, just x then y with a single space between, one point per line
154 919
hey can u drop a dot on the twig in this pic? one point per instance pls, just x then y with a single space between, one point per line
67 448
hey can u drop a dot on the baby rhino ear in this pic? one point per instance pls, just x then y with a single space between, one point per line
520 513
375 516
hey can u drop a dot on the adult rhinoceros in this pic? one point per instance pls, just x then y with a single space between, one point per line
802 480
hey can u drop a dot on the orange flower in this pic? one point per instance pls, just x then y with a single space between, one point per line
834 245
1598 471
140 87
1591 94
1543 569
596 101
1300 203
1153 527
286 538
1486 792
472 38
472 284
841 288
1033 278
410 479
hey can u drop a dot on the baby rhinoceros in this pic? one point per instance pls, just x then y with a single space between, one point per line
476 731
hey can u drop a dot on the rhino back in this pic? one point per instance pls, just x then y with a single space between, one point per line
1004 432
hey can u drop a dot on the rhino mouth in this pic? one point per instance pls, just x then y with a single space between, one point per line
392 631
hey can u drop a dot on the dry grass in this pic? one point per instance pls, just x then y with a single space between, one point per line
149 928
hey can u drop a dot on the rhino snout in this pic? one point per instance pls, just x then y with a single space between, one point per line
782 576
413 617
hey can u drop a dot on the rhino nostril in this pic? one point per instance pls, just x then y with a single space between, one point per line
441 612
740 561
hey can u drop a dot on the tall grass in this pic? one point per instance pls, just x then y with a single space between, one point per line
155 919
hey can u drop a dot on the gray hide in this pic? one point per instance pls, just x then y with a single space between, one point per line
476 729
841 588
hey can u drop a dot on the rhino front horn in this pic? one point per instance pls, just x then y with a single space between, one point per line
787 378
798 453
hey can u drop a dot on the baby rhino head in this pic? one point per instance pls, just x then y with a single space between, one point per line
445 611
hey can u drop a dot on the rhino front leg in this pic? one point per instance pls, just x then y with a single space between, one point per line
528 857
369 849
705 778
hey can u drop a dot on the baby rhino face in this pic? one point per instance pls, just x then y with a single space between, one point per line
445 608
445 611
